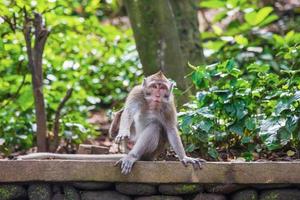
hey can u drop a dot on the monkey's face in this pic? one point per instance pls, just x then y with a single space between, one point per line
157 93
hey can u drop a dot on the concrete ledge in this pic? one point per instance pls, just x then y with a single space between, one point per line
149 172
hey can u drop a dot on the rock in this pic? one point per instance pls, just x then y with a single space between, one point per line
223 188
205 196
159 197
70 193
92 185
40 191
103 195
175 189
245 195
11 191
280 194
136 189
270 186
58 197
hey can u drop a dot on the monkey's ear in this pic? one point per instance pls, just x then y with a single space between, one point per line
171 87
144 84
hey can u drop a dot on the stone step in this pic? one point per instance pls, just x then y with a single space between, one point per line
149 172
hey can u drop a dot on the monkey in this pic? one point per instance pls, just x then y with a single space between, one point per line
149 119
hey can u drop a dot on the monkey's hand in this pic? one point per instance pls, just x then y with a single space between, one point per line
196 162
126 164
122 135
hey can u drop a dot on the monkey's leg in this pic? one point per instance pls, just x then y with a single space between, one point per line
147 143
115 124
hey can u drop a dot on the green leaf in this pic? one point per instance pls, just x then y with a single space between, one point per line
250 18
185 123
214 45
25 100
248 156
201 136
205 125
200 77
213 152
221 15
289 37
283 104
237 128
217 30
230 64
250 124
232 3
262 14
191 148
1 44
246 140
268 20
258 68
241 40
284 135
279 40
261 17
206 112
290 153
212 4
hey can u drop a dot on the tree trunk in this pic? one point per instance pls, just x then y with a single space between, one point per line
188 29
167 36
35 56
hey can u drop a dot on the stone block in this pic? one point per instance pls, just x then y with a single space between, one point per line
136 188
103 195
159 197
40 191
280 194
12 191
248 194
178 189
206 196
92 185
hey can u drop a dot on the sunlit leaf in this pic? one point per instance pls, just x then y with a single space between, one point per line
212 4
290 153
25 100
241 40
262 14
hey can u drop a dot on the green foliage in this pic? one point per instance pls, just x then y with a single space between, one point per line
248 32
249 101
97 60
251 109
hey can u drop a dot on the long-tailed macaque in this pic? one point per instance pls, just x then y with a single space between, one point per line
149 119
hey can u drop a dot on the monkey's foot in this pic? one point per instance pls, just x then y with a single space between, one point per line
196 162
126 164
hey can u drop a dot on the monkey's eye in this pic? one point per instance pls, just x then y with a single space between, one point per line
154 86
163 87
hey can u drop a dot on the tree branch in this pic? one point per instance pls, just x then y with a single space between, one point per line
57 117
11 23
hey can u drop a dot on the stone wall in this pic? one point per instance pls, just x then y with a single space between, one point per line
145 191
165 180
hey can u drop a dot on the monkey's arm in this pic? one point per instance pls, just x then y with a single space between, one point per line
132 106
125 124
176 143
